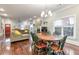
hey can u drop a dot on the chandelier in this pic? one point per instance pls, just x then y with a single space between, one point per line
46 13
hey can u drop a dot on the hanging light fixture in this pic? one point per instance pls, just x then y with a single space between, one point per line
50 13
2 10
42 13
4 14
46 13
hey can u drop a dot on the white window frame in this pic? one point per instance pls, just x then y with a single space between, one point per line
74 30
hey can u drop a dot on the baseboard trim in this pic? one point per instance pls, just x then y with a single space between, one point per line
73 42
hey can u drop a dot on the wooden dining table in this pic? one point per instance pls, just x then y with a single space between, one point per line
46 37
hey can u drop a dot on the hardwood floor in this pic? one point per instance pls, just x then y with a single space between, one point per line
21 48
24 48
16 48
71 49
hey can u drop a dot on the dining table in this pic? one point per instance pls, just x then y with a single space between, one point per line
48 38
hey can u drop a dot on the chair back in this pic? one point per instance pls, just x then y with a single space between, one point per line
34 37
62 42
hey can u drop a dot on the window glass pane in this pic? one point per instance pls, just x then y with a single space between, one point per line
72 20
58 30
58 23
68 31
68 21
66 24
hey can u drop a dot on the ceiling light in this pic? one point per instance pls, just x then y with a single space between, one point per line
4 14
34 16
42 13
2 10
46 15
50 13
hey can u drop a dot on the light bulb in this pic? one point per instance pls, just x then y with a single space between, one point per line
46 15
2 10
4 14
50 13
42 14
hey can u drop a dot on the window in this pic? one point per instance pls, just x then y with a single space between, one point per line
65 26
68 31
58 30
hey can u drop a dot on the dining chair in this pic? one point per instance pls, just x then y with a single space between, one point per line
58 48
38 45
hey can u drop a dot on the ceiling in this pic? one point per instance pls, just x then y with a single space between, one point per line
24 11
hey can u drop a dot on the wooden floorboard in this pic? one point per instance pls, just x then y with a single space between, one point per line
71 49
24 48
21 48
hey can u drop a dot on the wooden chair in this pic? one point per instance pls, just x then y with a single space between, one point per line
38 45
58 49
